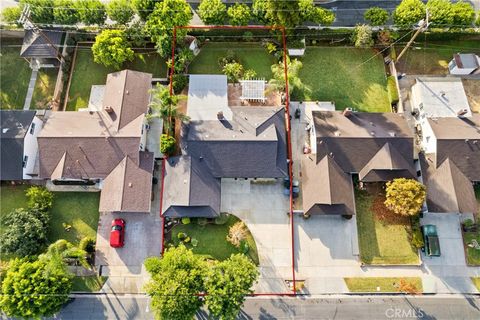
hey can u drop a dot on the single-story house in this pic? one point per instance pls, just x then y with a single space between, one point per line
377 147
18 144
105 147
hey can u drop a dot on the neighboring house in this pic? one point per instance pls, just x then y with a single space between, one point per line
452 163
376 147
41 49
104 147
18 143
221 142
464 63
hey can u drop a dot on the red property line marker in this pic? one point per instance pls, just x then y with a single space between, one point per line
289 141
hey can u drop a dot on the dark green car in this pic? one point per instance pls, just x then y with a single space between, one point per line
430 237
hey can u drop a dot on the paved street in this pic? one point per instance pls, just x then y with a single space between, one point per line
328 307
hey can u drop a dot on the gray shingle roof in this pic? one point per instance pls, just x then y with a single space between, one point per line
36 46
14 126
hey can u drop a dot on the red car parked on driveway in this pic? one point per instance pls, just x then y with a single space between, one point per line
117 234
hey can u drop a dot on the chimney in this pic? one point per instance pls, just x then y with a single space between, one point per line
462 112
109 109
220 115
347 112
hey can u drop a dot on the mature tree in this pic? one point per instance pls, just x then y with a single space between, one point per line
463 14
309 12
409 13
66 252
259 10
440 12
91 11
112 49
283 13
25 233
363 36
233 71
177 278
35 289
294 81
239 14
39 198
144 8
164 106
65 12
405 196
11 14
376 16
228 284
41 10
160 24
136 34
212 12
120 11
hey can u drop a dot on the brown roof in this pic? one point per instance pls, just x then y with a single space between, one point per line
448 189
128 187
458 139
127 93
387 164
326 189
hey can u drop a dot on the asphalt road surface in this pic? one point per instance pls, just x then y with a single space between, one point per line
266 308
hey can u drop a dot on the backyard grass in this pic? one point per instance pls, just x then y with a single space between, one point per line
88 284
476 283
212 241
251 56
387 284
433 58
15 75
12 197
344 76
87 73
44 88
382 242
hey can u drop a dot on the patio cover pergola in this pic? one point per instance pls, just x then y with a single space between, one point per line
253 90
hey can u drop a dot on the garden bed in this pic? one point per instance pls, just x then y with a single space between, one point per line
212 242
382 240
383 284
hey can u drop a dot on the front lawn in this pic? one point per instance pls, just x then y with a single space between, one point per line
15 75
387 284
87 73
344 76
212 241
251 56
432 57
88 284
380 241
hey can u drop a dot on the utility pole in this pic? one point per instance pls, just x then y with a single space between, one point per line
29 24
423 25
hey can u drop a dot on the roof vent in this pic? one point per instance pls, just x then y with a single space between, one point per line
331 154
5 130
200 158
220 115
337 133
466 140
130 184
109 109
347 112
372 133
126 92
392 133
443 93
462 112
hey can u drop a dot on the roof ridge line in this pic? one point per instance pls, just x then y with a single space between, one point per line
121 101
123 184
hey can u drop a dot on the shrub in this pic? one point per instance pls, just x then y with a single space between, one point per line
249 74
221 219
392 90
405 196
39 198
237 233
186 220
233 71
244 247
87 244
186 240
181 236
180 81
202 221
363 36
167 144
152 264
417 238
229 57
194 242
376 16
270 47
212 12
239 14
11 14
120 11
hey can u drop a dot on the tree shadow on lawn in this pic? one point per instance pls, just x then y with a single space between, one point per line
374 99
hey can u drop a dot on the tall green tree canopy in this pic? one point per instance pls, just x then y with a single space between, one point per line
91 11
144 8
11 14
440 12
212 12
176 280
294 82
165 106
112 49
120 11
39 198
160 24
259 10
65 12
376 16
41 10
309 12
283 13
363 36
408 13
34 289
239 14
228 283
405 196
463 14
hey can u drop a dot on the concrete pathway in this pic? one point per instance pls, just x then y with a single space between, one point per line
31 86
153 137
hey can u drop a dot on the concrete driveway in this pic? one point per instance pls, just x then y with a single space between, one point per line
124 266
263 208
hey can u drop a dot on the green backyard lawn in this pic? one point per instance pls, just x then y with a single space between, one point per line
212 241
44 88
15 75
372 284
433 58
87 73
382 242
78 209
251 56
344 76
